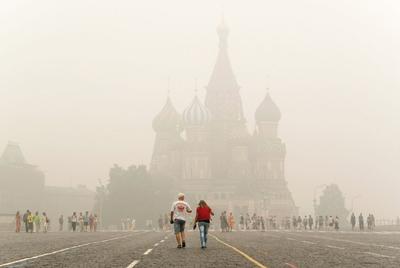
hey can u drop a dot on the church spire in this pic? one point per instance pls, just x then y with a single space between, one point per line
223 97
223 32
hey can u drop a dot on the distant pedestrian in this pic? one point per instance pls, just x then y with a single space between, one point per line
352 221
231 221
45 222
310 222
262 224
337 223
331 222
305 222
61 223
25 220
203 217
80 220
361 222
74 221
241 222
86 221
179 210
30 220
326 222
36 220
17 222
91 222
299 222
69 219
372 222
96 222
247 221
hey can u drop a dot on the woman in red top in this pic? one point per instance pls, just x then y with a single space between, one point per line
203 217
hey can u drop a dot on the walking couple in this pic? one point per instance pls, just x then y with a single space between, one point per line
179 211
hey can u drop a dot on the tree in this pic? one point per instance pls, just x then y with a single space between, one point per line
132 193
332 203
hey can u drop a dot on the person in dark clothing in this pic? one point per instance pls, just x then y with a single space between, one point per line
353 221
361 222
310 222
25 220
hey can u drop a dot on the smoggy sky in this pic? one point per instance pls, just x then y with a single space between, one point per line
80 82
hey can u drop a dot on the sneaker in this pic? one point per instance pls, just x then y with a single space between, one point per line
179 246
183 244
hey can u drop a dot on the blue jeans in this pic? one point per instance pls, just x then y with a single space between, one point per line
203 228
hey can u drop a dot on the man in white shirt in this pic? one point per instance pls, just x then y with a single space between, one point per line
179 212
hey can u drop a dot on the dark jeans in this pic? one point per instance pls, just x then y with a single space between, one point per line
26 226
73 226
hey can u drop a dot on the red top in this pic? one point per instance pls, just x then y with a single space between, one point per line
203 213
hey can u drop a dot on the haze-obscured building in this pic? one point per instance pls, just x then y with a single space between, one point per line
208 152
22 186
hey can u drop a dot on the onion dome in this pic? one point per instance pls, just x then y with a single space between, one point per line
168 119
268 111
196 114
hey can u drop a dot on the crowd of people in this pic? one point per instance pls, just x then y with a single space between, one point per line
370 222
84 222
128 224
326 223
33 222
36 222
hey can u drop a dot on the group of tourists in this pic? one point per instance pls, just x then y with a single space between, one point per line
370 222
33 222
128 224
327 223
227 222
256 222
84 222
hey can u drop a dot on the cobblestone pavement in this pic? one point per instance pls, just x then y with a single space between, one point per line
235 249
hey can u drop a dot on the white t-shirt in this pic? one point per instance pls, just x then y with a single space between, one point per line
180 209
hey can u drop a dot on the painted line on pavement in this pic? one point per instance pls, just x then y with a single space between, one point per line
148 251
133 264
308 242
258 264
335 247
289 238
290 265
378 255
162 241
347 241
62 250
156 244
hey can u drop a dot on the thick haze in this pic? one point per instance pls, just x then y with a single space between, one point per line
80 82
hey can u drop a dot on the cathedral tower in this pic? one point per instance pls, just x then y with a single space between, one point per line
166 153
225 104
269 160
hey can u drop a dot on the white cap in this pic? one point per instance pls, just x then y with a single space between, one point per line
181 195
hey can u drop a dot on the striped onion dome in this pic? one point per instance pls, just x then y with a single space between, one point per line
268 111
168 119
196 114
